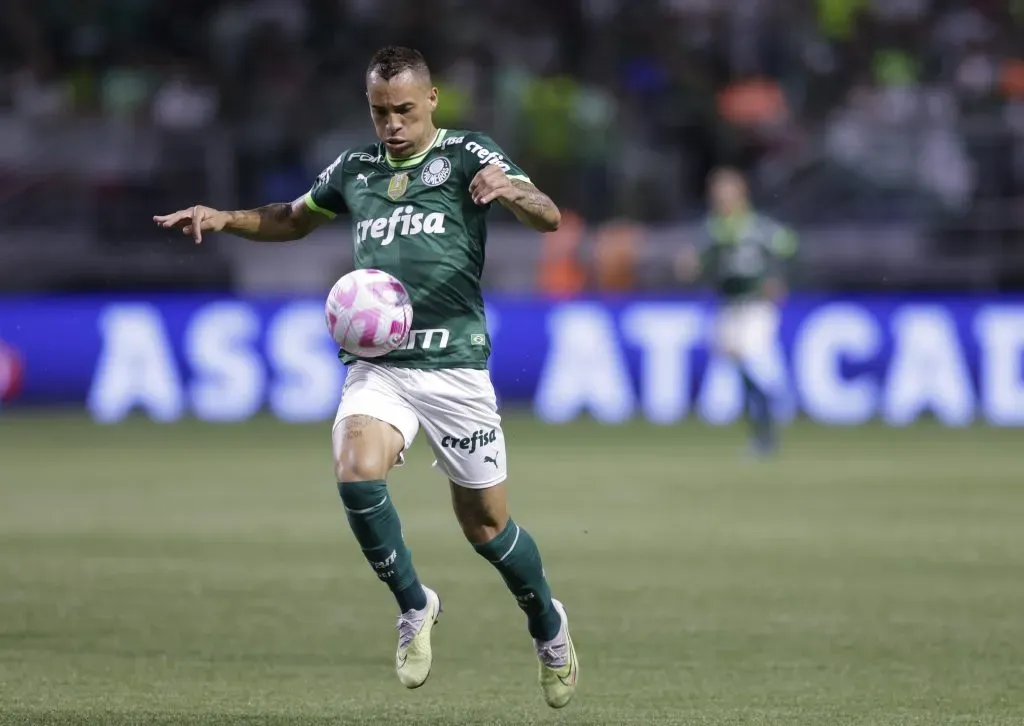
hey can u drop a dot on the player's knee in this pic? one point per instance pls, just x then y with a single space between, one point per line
478 533
482 513
356 466
482 525
364 449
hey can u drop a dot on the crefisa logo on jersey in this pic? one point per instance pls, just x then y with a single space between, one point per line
486 156
325 175
436 172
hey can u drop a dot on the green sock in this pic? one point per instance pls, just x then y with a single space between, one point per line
374 522
515 556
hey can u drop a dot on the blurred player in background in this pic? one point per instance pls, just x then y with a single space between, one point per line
418 201
745 256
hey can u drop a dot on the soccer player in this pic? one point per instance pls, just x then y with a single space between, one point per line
418 203
745 254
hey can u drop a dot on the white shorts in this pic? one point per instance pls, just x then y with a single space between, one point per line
455 406
747 330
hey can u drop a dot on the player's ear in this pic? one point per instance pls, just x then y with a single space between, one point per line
432 98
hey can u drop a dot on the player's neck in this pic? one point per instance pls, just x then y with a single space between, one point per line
421 148
419 151
740 212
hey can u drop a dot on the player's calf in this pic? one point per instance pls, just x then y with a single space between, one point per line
365 449
483 515
758 405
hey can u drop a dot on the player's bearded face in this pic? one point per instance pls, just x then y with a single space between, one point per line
401 109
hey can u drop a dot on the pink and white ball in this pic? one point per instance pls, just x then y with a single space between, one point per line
369 313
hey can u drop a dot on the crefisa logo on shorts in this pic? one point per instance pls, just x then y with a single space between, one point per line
470 443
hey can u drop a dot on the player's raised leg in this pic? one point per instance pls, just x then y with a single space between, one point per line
759 411
759 324
483 515
365 449
744 336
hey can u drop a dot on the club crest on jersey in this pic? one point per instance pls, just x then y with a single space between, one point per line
398 185
436 172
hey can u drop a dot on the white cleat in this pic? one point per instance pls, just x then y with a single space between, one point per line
559 668
414 657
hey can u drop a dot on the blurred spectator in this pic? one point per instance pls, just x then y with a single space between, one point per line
38 92
457 91
616 253
126 87
549 143
864 111
184 102
561 274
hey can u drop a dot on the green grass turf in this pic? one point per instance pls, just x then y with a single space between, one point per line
196 574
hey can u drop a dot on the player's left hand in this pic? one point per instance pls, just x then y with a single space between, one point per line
490 183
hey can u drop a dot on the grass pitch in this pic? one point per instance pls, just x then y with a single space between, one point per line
196 574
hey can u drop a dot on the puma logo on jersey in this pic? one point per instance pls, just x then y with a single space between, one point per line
403 222
364 178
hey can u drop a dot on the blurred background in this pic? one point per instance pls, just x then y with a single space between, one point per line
890 133
202 573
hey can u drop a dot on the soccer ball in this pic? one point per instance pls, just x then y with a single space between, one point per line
369 313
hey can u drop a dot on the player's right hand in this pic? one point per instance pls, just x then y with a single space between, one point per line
194 221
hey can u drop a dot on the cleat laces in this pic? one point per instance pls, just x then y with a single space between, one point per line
554 653
408 626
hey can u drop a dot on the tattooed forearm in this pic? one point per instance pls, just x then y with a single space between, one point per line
275 215
280 222
533 207
530 197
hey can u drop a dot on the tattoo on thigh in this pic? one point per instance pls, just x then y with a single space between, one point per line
356 425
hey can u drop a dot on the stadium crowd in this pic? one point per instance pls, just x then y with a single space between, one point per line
620 106
842 112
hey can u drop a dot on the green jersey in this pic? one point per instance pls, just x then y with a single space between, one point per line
414 219
740 251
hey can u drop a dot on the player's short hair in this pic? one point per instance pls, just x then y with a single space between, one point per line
394 60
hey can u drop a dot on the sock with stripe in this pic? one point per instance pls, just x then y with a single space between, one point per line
759 410
374 521
515 556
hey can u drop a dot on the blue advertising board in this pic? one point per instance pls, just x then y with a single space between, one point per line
837 360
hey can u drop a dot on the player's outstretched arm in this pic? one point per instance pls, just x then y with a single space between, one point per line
529 204
282 222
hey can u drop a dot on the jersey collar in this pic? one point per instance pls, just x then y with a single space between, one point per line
728 227
418 159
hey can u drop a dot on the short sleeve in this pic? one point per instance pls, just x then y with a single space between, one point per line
783 241
481 149
326 196
706 235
